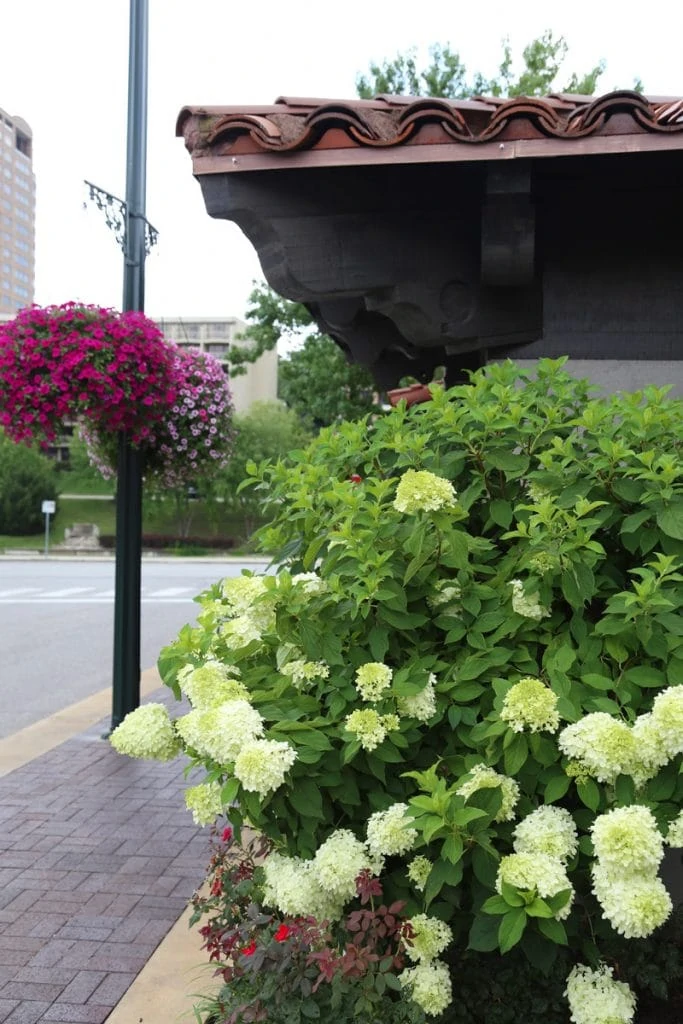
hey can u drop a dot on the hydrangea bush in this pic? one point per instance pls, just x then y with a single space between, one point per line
463 680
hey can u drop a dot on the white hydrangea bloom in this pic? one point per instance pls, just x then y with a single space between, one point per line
261 765
369 727
527 605
430 936
634 904
420 491
532 705
389 833
483 777
674 836
338 863
595 998
651 753
211 683
242 631
535 872
667 712
303 673
627 839
430 986
220 732
549 830
446 593
205 802
310 582
292 886
418 872
372 680
241 592
604 746
146 732
422 705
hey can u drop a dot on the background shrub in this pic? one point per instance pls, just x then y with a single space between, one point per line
27 478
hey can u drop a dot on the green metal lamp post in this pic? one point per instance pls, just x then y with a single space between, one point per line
136 236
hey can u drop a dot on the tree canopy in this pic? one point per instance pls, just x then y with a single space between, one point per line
447 75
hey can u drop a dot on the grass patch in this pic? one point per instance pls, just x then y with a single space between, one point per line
159 516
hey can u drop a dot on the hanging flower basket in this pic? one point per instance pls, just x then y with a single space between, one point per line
64 363
195 436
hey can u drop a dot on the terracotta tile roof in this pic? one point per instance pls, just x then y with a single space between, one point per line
302 131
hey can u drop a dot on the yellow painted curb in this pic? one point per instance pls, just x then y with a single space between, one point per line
29 743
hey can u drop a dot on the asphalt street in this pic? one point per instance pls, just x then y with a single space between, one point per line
57 623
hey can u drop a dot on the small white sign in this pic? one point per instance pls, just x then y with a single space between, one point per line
48 508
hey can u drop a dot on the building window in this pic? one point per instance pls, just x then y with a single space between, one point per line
23 144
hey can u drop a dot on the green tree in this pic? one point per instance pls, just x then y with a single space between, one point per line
447 75
269 430
27 478
318 383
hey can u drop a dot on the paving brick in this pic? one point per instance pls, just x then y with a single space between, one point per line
28 1012
72 1013
82 987
6 1007
31 990
51 954
112 988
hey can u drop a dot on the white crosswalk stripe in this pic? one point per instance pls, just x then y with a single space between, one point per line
90 595
67 592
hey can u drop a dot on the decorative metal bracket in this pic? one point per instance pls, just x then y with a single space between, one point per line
114 210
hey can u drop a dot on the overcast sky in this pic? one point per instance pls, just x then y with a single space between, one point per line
64 66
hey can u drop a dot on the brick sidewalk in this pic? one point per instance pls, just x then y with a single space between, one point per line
98 858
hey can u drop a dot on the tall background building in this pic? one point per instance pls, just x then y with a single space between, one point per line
17 214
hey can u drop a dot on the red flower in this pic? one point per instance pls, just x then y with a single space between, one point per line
355 479
226 834
283 933
249 950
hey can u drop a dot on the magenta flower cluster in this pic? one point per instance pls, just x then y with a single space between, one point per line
72 362
194 439
110 372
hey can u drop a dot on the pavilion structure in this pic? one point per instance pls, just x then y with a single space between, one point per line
430 232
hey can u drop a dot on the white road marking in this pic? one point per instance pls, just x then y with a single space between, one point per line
89 600
19 590
170 592
67 591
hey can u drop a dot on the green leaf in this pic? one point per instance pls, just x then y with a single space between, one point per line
556 788
452 849
516 754
483 935
670 519
495 905
553 930
624 790
511 896
484 866
501 512
511 929
309 1008
578 584
589 794
304 796
539 908
598 682
631 523
646 676
229 792
512 463
442 873
378 639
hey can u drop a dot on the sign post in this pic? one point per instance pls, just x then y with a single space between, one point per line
48 509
